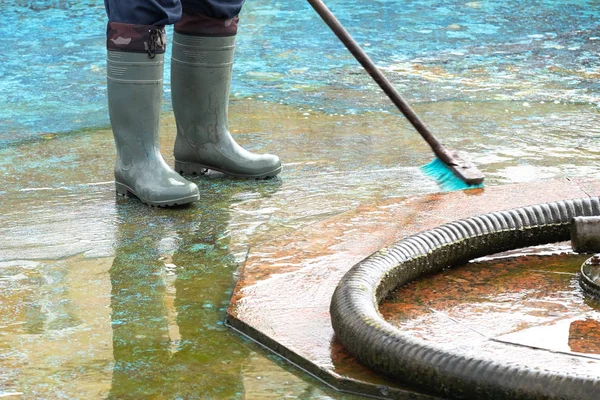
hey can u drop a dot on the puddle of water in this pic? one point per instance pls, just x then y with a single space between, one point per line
146 322
102 298
528 302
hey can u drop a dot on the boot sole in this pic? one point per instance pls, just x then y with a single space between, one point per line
200 169
126 191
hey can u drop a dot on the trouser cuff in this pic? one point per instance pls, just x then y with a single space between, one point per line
149 39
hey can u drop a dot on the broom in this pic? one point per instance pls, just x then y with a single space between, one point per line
451 169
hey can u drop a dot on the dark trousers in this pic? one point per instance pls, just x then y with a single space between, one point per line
167 12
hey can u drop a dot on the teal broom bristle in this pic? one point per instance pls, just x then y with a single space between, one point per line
444 176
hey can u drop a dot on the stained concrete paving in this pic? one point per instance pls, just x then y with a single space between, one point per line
94 291
102 297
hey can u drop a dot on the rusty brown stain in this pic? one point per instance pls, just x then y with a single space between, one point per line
584 336
317 256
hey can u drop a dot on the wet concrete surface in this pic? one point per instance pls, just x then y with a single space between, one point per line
283 294
528 53
103 297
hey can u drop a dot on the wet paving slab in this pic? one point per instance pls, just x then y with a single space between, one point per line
283 294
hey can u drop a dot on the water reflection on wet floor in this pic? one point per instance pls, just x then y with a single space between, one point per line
110 298
106 298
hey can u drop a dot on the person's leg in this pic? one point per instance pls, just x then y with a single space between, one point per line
201 66
144 12
135 59
219 9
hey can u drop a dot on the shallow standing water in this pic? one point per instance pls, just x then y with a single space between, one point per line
103 298
533 303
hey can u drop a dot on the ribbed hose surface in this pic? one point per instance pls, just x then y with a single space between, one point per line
386 349
588 284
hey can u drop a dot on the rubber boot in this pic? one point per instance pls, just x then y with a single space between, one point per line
135 84
200 80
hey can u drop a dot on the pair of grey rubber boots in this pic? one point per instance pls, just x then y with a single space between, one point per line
201 70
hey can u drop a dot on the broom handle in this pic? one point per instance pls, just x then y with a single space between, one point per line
358 53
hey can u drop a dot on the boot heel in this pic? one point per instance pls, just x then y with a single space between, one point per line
190 168
122 190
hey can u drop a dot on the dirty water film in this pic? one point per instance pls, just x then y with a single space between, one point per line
529 301
105 298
